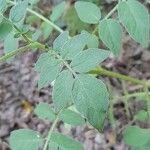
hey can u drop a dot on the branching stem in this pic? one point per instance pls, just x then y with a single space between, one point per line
21 50
99 71
102 71
139 94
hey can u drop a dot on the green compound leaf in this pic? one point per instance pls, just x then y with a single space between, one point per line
58 11
18 12
71 117
65 142
110 33
89 59
10 43
5 28
137 23
44 111
3 6
135 136
48 67
60 41
25 139
62 90
91 99
88 12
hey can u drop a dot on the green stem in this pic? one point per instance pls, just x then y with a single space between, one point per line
51 131
139 94
23 35
67 65
101 71
95 30
46 20
21 50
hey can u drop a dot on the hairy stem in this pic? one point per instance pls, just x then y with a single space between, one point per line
20 50
102 71
139 94
45 20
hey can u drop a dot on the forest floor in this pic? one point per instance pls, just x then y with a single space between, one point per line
19 96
